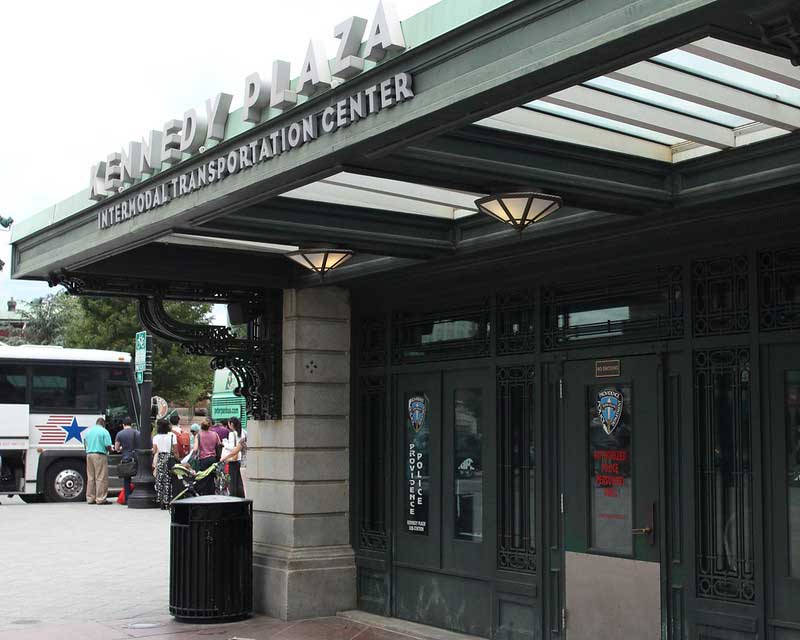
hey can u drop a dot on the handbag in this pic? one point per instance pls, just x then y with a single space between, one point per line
126 469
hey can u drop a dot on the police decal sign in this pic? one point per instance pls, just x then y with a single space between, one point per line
417 460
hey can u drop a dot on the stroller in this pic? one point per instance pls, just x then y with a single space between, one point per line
190 478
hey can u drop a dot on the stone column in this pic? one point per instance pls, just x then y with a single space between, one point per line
298 467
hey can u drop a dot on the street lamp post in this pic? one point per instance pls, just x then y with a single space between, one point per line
144 495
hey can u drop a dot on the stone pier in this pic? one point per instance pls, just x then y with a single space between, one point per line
298 467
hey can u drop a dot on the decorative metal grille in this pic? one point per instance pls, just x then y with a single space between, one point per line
724 479
441 335
517 482
779 289
372 458
516 317
373 540
254 360
720 296
631 307
372 342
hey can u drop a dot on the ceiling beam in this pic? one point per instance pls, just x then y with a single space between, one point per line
484 160
301 223
746 59
544 125
639 114
708 93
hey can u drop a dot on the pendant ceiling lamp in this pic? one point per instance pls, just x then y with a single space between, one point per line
519 208
320 259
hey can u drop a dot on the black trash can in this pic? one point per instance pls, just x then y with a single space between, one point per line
211 559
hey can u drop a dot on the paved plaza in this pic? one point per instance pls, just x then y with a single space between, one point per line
82 572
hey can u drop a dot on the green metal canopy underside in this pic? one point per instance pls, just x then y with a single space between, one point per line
398 189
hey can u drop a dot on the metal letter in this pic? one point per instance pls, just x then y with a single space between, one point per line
256 97
342 117
387 93
113 179
195 126
97 182
402 86
217 111
131 163
386 33
357 107
151 152
281 96
316 74
171 142
310 129
329 119
347 64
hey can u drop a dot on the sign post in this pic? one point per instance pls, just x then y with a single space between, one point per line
143 496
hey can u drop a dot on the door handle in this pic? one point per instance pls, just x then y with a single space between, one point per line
649 532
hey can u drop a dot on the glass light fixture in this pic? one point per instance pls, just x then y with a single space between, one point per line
320 259
520 208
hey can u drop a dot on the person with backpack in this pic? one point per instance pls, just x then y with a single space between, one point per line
184 440
126 443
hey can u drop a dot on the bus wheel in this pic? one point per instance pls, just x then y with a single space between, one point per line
32 498
66 481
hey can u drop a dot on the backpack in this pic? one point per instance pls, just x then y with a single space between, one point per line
183 445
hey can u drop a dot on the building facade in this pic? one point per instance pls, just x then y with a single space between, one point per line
586 428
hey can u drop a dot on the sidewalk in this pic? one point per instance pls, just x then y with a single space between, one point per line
81 572
348 627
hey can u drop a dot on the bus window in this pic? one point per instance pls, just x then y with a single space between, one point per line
87 390
118 405
73 387
12 385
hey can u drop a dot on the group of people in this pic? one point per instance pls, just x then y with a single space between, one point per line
201 445
98 444
204 445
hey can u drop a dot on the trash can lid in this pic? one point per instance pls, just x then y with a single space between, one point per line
211 500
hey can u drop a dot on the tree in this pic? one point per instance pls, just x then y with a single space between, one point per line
46 320
110 323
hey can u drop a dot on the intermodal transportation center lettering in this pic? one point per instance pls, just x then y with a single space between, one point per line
346 111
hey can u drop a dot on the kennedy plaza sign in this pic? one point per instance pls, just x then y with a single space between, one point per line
200 130
349 110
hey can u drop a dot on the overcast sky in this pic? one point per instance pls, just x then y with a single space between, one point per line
81 79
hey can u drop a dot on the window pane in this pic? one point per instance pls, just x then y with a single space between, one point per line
52 387
417 462
87 390
792 399
440 335
12 385
468 464
118 405
610 434
724 481
517 472
623 308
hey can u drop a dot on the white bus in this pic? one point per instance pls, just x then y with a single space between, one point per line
49 396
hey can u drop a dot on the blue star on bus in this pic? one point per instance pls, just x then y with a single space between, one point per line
73 431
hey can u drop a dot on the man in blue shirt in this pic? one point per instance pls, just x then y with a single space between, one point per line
97 441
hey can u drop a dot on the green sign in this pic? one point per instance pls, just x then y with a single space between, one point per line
141 354
139 377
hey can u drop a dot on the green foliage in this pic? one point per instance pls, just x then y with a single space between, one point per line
111 323
46 320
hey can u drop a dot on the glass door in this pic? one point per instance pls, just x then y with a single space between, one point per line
610 501
784 478
467 434
418 516
444 513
